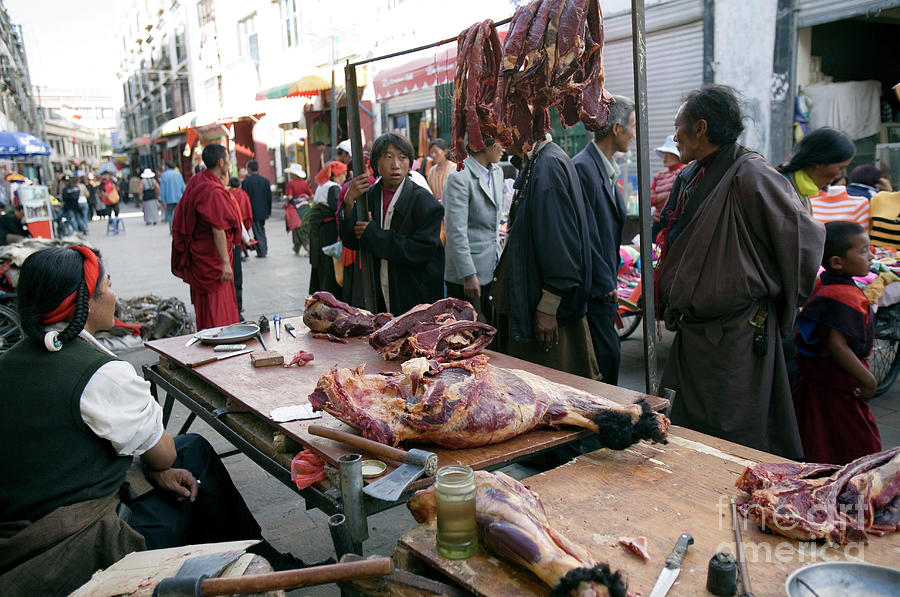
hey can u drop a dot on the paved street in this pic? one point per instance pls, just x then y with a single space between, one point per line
138 262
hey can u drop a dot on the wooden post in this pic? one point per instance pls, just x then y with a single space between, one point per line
648 292
368 273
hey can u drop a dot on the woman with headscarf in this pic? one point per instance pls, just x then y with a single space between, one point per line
323 229
150 197
73 420
441 167
819 158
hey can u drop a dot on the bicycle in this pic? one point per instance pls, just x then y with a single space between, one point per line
884 363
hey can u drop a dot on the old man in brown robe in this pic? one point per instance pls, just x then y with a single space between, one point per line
740 254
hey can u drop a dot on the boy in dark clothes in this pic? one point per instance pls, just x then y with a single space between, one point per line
835 333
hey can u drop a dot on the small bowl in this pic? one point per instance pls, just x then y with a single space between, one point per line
372 468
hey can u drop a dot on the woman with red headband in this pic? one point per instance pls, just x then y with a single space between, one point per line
73 420
323 229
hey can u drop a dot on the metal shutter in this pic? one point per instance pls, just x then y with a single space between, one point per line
674 32
817 12
411 102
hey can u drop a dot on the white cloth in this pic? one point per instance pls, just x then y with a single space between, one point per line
321 194
419 180
117 405
386 225
853 107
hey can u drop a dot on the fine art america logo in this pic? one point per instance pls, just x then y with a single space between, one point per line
792 551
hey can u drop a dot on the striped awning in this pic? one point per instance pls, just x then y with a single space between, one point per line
308 86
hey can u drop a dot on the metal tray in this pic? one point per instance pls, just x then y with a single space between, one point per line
840 579
229 334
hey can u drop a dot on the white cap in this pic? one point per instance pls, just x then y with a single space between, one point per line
346 147
296 169
669 147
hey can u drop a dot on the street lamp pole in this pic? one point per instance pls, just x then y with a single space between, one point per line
334 108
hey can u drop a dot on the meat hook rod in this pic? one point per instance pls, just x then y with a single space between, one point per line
369 295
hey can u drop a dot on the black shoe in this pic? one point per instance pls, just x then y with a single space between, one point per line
260 256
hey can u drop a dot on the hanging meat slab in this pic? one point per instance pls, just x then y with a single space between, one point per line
513 525
813 501
474 87
326 314
470 403
552 56
446 330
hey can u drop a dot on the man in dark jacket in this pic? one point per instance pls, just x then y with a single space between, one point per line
403 231
13 227
542 281
605 207
259 190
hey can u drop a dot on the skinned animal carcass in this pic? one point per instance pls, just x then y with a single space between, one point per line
444 330
469 403
816 501
326 314
513 525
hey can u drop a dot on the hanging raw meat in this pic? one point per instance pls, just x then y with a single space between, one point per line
812 501
512 524
477 64
325 314
552 56
444 330
469 403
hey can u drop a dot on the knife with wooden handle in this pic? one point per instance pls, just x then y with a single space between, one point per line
218 358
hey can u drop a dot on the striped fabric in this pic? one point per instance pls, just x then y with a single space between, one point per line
885 231
841 207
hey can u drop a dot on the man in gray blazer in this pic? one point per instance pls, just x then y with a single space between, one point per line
472 201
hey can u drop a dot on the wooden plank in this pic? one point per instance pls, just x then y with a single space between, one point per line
263 390
656 491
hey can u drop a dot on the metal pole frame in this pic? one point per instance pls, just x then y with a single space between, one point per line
355 131
648 292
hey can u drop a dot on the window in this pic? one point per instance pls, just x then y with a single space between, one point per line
248 44
290 34
205 12
180 48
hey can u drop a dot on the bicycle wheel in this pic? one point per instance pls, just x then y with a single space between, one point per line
10 331
630 322
884 363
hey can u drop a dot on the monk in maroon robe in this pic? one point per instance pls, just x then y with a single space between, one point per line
204 229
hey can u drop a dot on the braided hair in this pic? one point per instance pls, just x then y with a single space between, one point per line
47 279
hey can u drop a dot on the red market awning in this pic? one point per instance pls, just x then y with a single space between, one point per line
428 71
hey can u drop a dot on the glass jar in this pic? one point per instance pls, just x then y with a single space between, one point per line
454 493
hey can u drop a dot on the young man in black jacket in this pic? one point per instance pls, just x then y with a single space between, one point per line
259 189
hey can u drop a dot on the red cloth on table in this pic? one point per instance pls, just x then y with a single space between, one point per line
205 205
297 188
242 200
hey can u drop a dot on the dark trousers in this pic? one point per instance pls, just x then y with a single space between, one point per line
237 252
483 305
606 343
218 514
259 233
170 214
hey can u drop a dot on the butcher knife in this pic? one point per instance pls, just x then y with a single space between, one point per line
673 566
389 488
218 358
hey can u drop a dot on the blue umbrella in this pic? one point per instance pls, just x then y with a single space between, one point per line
15 144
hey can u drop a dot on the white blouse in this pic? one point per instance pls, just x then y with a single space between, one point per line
117 405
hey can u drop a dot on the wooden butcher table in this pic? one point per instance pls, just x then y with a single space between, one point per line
236 399
655 491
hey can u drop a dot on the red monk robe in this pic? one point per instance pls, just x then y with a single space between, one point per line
205 205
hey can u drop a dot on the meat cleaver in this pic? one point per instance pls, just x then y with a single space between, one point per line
414 463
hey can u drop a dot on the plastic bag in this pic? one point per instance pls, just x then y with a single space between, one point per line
307 468
334 251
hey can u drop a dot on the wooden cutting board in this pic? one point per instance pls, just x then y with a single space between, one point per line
264 389
655 491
